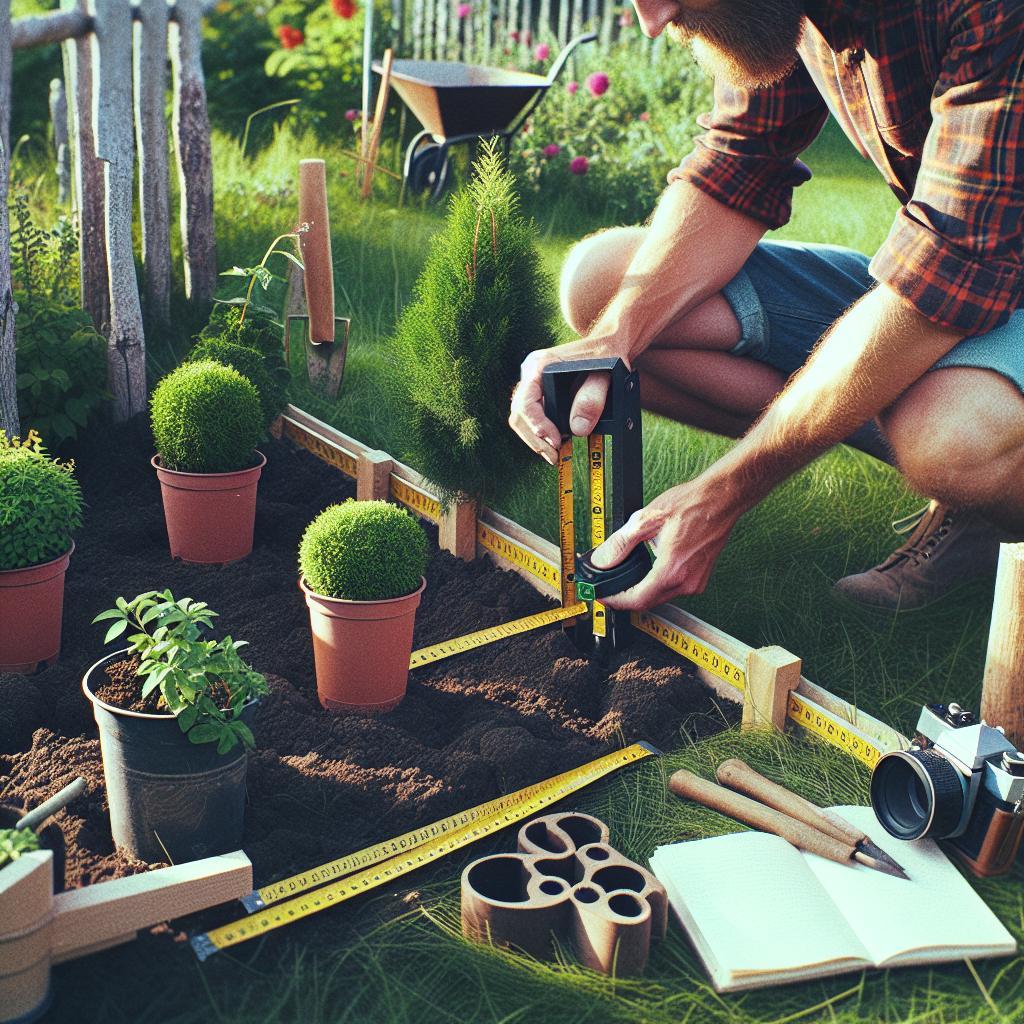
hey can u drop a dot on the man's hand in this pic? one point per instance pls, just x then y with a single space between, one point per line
687 527
527 417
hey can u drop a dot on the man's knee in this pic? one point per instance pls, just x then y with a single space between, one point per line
958 435
592 273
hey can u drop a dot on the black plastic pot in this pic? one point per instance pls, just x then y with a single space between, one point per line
170 799
50 838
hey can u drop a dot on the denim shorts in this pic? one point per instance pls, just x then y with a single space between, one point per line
789 293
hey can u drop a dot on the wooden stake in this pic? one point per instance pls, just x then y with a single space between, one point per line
315 243
151 140
1002 693
115 145
192 151
378 122
457 530
771 673
8 390
59 123
373 476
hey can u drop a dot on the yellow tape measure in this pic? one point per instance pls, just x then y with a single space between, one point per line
447 648
831 729
595 451
397 857
422 504
692 649
566 524
320 447
502 546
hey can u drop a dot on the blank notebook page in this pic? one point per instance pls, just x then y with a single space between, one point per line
755 904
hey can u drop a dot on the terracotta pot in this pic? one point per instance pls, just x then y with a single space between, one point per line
168 797
361 649
31 609
209 516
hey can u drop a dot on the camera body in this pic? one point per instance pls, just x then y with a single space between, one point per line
961 780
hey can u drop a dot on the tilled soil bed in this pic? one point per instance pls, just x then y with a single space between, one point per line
321 784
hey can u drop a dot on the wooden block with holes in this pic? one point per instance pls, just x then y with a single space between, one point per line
771 673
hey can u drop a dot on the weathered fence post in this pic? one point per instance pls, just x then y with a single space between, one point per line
192 150
563 21
151 140
126 347
88 179
1002 693
417 29
8 377
59 123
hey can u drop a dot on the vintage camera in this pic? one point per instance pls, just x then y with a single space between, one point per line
960 780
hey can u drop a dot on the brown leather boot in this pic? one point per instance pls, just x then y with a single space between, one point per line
945 550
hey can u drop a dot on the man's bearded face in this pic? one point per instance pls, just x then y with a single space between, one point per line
751 43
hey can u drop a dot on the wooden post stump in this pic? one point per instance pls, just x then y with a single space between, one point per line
373 476
771 673
1002 693
59 123
457 530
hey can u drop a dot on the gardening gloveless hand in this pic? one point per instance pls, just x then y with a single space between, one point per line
687 527
527 417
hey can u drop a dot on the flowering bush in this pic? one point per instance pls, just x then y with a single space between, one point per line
597 83
290 36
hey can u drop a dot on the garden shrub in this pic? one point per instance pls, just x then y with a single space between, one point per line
258 331
248 362
206 418
363 551
40 503
481 304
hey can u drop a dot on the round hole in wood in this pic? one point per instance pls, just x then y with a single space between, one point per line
625 905
586 895
551 887
597 853
618 876
501 878
581 830
538 834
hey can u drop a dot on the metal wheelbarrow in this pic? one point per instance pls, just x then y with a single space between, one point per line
458 102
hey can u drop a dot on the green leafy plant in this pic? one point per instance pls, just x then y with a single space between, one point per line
249 362
15 843
205 684
256 329
363 551
40 503
206 418
261 274
482 302
62 368
44 261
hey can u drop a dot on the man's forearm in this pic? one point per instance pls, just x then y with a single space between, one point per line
870 357
693 247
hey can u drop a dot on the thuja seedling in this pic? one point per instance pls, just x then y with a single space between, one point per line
15 843
203 683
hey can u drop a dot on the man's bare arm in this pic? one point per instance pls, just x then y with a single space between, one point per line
693 247
870 357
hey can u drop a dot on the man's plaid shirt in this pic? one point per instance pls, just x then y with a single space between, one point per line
933 93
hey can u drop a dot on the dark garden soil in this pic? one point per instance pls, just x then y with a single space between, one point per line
320 784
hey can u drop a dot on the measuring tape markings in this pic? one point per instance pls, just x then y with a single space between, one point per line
504 547
833 730
485 820
692 649
566 523
320 447
469 642
412 497
595 450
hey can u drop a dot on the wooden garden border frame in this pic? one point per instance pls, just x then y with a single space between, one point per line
766 680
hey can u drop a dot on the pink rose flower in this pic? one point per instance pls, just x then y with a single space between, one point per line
542 52
463 10
351 115
597 83
579 165
572 88
552 149
645 116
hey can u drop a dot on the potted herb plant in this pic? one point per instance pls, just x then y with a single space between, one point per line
40 507
206 420
362 565
174 712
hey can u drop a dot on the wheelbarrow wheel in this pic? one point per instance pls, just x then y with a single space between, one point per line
429 170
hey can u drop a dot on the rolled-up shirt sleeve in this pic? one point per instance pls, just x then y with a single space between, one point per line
955 250
747 156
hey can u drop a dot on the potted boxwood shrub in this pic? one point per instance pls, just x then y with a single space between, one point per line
362 566
174 712
40 507
206 421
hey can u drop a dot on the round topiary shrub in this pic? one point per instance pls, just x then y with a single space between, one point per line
363 551
206 418
40 503
249 363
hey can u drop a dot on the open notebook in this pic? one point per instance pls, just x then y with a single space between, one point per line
760 912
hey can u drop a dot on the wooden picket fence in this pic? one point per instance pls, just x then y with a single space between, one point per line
115 83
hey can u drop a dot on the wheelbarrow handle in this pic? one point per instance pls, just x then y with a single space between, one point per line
560 60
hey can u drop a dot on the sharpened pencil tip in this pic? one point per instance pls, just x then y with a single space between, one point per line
873 862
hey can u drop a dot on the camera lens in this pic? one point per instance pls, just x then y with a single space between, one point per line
917 793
